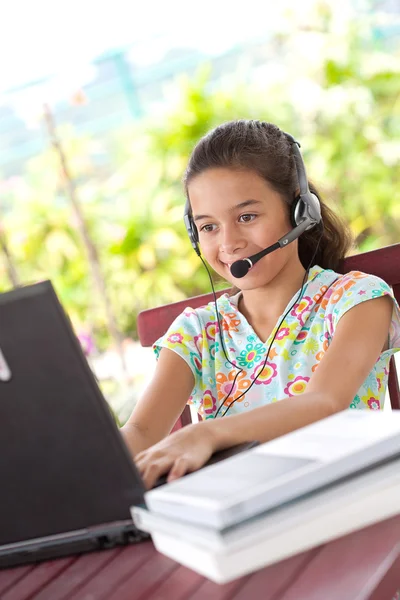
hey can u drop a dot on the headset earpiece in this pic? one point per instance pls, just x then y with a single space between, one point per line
306 205
295 212
191 228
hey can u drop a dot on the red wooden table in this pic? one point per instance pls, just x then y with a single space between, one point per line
365 564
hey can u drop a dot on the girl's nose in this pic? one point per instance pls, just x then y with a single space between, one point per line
231 240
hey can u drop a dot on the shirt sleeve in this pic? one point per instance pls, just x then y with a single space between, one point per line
185 338
354 288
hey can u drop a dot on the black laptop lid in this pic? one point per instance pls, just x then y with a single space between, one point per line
63 465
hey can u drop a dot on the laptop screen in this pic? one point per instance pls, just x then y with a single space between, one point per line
63 463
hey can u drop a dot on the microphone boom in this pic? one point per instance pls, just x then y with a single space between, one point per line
240 268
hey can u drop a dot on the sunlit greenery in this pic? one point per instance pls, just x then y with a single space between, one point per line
346 114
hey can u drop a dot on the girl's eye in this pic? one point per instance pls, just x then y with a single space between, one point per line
247 218
207 228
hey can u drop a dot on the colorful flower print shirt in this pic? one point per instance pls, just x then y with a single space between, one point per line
299 345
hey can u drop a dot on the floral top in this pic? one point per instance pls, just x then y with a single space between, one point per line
298 347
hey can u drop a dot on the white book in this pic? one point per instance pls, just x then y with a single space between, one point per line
288 467
319 517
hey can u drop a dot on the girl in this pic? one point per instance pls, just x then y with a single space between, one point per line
294 342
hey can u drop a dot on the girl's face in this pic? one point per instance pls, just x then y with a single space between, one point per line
238 214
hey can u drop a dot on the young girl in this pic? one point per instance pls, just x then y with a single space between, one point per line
293 343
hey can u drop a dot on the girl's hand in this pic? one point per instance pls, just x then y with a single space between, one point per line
181 452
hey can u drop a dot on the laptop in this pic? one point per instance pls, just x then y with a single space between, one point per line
67 478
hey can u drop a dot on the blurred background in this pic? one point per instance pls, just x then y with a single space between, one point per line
101 104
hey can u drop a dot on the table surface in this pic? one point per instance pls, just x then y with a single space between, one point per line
362 565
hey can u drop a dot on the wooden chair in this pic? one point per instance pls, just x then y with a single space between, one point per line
384 262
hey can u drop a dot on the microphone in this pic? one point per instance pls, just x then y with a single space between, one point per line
240 268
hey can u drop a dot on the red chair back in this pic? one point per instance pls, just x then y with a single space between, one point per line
384 262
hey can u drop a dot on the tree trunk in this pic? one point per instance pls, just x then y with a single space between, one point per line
90 247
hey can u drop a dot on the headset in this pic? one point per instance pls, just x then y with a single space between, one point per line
305 213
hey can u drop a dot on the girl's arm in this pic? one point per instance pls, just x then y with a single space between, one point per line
360 336
161 404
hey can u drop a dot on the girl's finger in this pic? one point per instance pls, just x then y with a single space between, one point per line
141 462
179 468
149 455
154 470
145 458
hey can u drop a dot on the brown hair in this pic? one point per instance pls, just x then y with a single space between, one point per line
264 148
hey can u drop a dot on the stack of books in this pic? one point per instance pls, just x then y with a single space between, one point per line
280 498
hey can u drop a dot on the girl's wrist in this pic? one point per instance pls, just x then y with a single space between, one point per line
221 433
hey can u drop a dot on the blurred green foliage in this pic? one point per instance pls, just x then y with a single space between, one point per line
346 115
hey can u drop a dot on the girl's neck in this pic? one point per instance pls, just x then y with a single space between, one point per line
263 306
